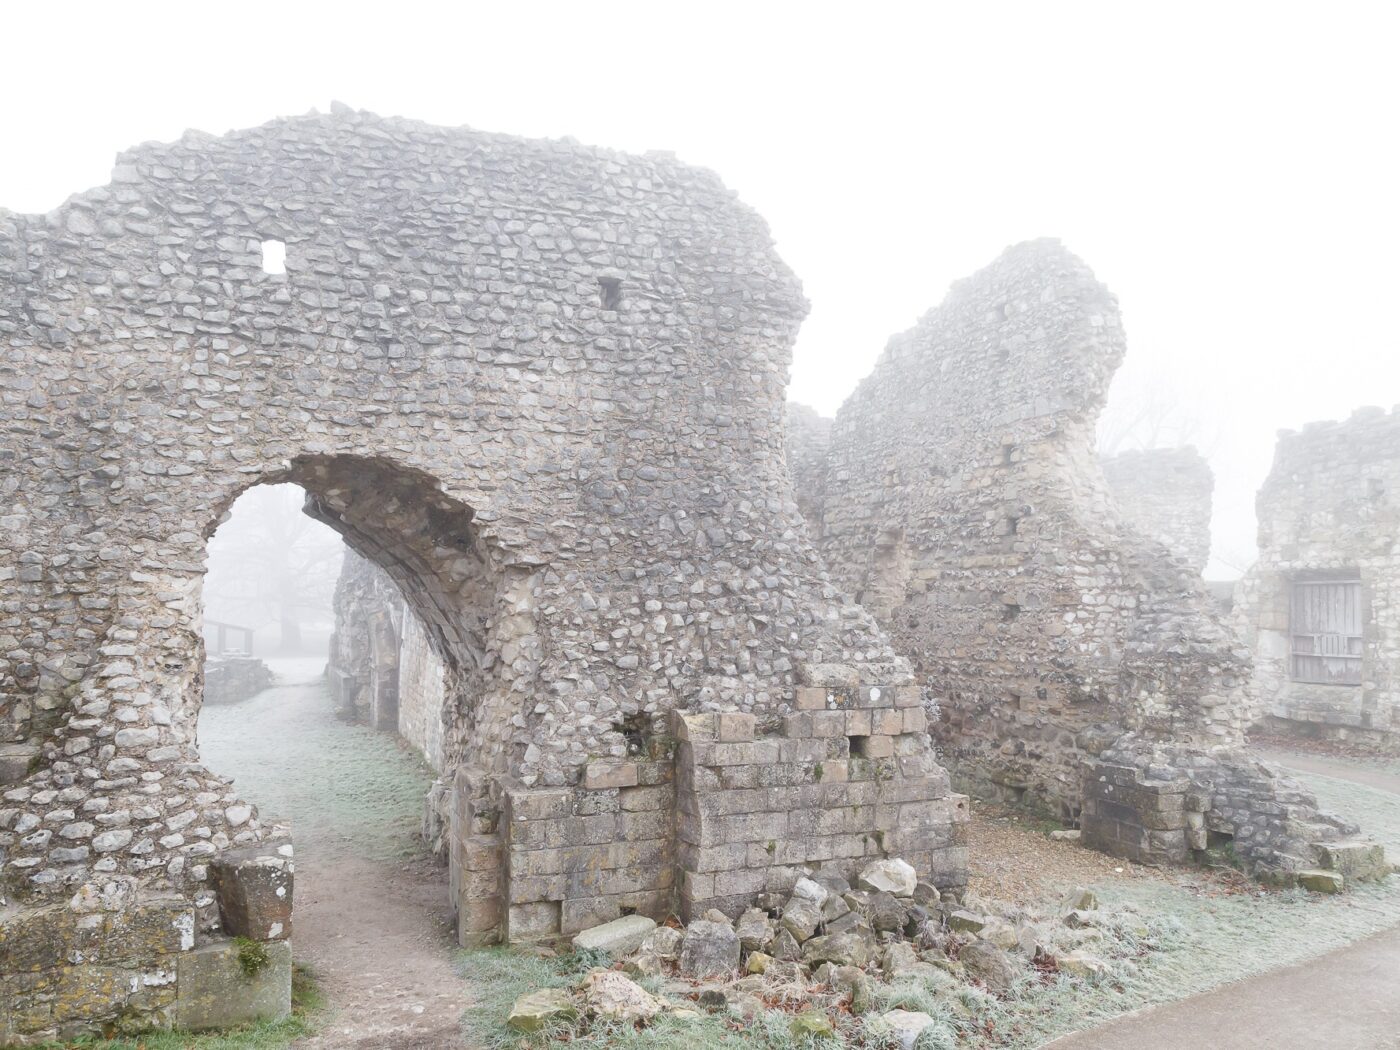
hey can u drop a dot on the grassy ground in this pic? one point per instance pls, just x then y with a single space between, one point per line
339 784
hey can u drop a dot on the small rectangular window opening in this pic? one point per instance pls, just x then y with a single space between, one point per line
274 257
610 293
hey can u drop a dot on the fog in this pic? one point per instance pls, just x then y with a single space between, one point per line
272 572
1229 171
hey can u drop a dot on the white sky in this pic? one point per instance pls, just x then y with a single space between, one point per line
1231 170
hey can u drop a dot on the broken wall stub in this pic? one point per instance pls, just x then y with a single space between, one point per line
1165 493
1321 606
539 384
1071 661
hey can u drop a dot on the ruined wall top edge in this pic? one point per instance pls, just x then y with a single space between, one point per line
1033 334
424 255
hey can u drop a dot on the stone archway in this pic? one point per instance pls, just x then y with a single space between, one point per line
541 384
372 916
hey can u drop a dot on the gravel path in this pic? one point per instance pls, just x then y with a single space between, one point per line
371 917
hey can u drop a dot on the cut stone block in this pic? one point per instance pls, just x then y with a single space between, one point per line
15 760
618 938
1321 881
254 887
893 876
1355 861
216 990
710 949
606 773
536 1010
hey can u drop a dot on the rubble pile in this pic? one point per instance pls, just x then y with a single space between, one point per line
838 960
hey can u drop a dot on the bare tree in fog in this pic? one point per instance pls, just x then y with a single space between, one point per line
270 563
1148 409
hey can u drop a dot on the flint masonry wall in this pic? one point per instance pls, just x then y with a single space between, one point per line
808 447
539 384
382 668
362 669
1165 493
422 692
1071 661
1330 509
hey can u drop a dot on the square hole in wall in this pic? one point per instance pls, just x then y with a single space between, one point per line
610 293
274 257
858 746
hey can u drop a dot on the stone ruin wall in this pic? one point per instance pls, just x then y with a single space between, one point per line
383 670
1070 661
231 679
422 692
808 446
1329 508
1165 493
362 669
541 385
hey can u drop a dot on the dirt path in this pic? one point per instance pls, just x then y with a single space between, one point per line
371 916
1348 999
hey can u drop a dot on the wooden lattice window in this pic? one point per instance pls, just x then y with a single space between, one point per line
1326 627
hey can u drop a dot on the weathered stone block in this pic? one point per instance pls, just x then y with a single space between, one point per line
695 727
734 725
609 773
254 888
1355 861
532 920
618 938
223 984
1321 881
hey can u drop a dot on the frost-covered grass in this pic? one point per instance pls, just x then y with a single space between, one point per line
338 784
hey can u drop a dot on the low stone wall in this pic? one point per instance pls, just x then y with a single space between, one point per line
851 778
1164 805
130 960
230 679
710 818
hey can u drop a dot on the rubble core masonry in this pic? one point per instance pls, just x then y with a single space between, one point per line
1070 660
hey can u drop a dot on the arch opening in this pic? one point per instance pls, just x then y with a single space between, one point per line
365 600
